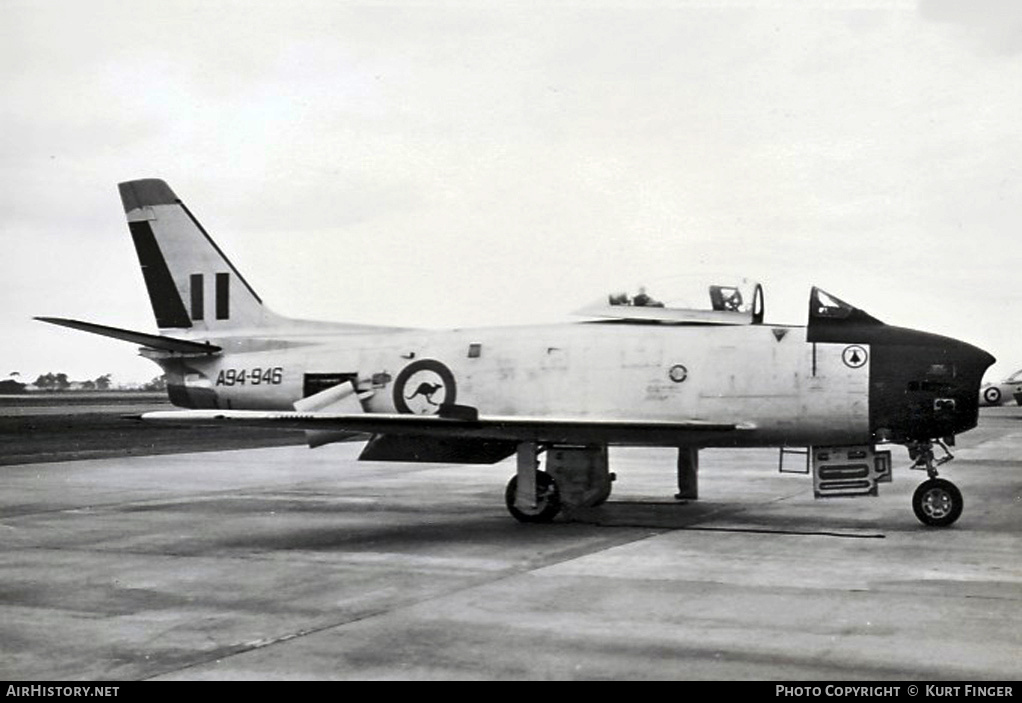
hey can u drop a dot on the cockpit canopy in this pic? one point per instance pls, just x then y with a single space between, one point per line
735 302
739 302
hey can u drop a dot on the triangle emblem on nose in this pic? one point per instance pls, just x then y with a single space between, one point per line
854 356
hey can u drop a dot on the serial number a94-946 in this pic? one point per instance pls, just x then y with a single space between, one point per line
254 377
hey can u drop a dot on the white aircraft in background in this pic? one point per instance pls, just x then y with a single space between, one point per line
843 386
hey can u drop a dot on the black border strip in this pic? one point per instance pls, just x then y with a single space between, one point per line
168 308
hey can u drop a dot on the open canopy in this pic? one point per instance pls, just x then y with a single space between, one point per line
738 302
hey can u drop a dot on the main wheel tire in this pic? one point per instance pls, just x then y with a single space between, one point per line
548 499
937 502
992 395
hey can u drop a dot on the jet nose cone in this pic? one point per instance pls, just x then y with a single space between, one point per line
972 364
980 359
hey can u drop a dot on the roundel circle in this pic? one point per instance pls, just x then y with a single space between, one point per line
423 386
855 356
678 373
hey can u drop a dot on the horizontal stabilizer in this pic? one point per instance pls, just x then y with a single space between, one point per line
153 341
509 428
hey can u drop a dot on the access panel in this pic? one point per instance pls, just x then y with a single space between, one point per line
849 471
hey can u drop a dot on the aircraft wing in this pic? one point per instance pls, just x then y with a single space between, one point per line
466 426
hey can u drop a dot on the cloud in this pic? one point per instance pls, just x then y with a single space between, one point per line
989 26
440 163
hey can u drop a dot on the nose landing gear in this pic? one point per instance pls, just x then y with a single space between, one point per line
936 502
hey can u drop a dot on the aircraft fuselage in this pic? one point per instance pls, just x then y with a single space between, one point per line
879 384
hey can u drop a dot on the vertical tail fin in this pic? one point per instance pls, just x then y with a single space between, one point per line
191 283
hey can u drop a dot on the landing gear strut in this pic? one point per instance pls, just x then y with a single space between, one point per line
936 502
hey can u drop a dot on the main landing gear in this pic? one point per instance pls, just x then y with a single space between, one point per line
548 500
575 477
936 502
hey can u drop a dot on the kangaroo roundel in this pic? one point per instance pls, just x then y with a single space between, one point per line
423 386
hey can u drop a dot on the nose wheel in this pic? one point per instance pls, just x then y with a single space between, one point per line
937 502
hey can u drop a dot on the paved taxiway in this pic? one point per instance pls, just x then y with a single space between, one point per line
290 563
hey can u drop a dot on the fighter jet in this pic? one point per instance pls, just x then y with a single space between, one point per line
842 388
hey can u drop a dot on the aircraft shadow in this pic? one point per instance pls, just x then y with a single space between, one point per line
715 517
412 530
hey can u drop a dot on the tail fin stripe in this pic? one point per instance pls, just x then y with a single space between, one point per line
168 307
195 284
223 296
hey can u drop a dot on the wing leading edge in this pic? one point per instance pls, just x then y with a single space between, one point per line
492 428
153 341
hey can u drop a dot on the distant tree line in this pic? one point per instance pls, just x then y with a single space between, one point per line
9 385
157 384
60 382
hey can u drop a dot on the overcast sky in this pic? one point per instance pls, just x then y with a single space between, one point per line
443 164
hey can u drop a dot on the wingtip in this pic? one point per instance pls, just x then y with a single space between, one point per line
63 321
